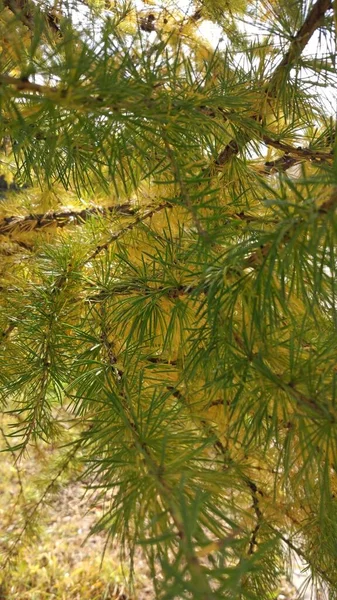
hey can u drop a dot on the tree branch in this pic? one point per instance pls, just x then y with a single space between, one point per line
299 152
259 515
311 23
299 42
23 85
254 491
39 222
25 11
115 236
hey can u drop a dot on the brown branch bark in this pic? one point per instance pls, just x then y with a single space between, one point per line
4 335
23 85
311 23
25 11
5 186
279 165
299 152
12 247
14 225
258 513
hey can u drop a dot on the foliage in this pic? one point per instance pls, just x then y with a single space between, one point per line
168 276
55 527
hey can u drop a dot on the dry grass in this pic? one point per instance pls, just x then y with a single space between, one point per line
47 554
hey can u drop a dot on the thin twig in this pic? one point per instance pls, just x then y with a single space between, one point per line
183 189
259 515
115 236
31 514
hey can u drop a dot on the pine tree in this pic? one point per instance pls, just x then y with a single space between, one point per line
168 276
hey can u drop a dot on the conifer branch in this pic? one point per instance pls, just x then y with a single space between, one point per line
20 9
301 39
235 313
292 156
25 10
48 490
115 236
279 165
321 572
109 348
320 409
185 197
299 152
24 85
125 289
259 516
255 490
168 497
222 450
14 225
